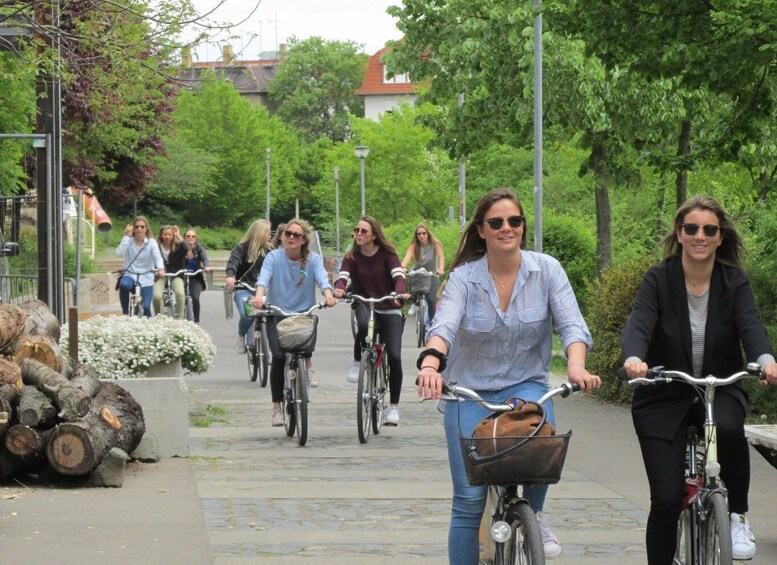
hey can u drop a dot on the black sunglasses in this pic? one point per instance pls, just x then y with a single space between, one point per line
497 223
361 231
710 230
139 227
293 234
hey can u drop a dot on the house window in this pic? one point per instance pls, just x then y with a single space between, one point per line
398 79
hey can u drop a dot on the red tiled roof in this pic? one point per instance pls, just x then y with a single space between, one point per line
373 79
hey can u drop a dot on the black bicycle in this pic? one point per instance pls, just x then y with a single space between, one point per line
257 346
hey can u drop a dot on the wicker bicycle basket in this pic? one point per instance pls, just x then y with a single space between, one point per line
298 333
514 460
419 282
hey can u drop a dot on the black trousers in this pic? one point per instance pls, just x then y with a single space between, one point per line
665 463
196 286
391 328
278 359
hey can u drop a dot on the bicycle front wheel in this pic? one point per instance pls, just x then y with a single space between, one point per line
420 326
253 364
364 398
287 404
380 387
716 531
301 401
525 545
263 349
685 538
189 309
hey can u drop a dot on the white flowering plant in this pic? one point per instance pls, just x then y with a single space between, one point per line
121 347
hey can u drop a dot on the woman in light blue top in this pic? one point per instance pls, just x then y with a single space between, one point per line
141 254
494 328
290 276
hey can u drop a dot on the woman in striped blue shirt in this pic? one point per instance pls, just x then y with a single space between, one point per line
494 330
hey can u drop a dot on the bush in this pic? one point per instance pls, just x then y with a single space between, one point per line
610 300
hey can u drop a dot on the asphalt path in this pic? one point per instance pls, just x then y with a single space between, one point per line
267 500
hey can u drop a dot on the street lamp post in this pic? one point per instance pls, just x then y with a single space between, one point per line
361 152
267 213
337 213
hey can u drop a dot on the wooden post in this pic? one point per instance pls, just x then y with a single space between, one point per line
72 329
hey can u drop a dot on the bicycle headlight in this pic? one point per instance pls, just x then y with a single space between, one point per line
500 531
712 468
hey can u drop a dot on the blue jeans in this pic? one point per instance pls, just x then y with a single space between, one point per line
244 324
468 501
126 286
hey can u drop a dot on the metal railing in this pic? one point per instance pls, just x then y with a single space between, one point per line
15 289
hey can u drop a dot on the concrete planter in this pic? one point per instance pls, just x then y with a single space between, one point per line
166 412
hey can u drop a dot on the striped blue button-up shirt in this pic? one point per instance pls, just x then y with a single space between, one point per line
489 349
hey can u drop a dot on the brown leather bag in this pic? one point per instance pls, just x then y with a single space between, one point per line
526 419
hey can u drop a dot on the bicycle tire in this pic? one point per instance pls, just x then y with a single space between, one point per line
364 398
716 531
169 310
301 401
354 323
189 309
379 395
137 310
253 364
684 552
264 356
287 403
525 545
420 327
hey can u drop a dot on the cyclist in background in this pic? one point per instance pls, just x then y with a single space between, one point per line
243 265
425 252
494 331
141 254
693 313
290 276
373 270
196 259
173 249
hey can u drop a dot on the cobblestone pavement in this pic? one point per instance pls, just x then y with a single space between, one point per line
267 500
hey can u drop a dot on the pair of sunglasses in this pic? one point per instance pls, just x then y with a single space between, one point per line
497 223
710 230
360 231
293 234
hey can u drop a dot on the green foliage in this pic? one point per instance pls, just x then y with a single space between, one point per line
572 242
17 110
610 300
26 262
315 87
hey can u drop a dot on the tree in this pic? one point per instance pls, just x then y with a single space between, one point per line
315 87
17 108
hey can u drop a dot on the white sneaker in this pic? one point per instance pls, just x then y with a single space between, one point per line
312 378
353 373
241 345
391 417
549 539
742 539
411 310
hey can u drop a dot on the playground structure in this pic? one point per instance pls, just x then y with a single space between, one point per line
94 218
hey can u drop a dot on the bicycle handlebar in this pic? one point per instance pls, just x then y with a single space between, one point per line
452 393
193 273
126 272
350 297
270 309
661 375
173 275
245 285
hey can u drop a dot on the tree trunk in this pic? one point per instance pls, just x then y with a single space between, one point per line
660 207
86 380
10 374
40 320
12 321
26 443
683 148
35 408
115 420
8 396
71 401
40 347
602 199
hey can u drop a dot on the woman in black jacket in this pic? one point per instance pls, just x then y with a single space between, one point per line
173 249
243 265
196 259
694 312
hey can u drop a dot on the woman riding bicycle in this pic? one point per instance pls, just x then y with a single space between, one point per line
425 252
141 254
173 249
290 275
373 270
243 265
196 259
693 313
494 330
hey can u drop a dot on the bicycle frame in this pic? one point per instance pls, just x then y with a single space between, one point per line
135 307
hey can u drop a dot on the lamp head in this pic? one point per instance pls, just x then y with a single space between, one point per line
361 151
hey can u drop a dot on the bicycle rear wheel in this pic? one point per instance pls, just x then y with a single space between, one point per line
525 545
379 395
364 395
263 350
287 404
189 309
301 401
716 531
420 326
685 538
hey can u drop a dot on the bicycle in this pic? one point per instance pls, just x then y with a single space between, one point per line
188 304
168 296
373 373
135 309
419 285
257 345
511 461
703 530
295 344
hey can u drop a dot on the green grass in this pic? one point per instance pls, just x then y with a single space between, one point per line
203 418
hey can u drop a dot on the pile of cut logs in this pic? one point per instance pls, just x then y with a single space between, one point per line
56 418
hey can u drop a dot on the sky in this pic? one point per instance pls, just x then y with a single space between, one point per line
274 21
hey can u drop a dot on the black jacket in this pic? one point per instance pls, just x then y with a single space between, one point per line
239 267
200 260
659 332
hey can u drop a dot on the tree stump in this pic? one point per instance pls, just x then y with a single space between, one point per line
114 420
71 401
35 408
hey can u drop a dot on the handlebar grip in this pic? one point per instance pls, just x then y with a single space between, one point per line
622 375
